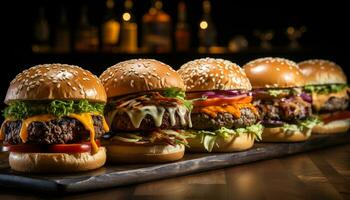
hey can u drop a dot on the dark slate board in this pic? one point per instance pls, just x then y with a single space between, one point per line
119 175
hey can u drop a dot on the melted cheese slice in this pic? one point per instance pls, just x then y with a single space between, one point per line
318 100
234 109
84 118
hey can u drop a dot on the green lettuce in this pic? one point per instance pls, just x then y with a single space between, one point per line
301 126
208 138
276 91
325 89
178 94
18 110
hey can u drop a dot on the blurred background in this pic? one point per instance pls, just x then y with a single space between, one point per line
96 34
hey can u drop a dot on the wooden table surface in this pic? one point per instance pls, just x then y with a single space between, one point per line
322 174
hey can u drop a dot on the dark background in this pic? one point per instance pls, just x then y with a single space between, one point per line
327 33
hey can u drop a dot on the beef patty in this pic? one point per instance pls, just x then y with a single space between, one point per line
58 131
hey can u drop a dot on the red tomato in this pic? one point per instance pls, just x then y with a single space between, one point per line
336 116
25 148
55 148
69 148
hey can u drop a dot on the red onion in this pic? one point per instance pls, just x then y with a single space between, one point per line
272 122
226 94
306 97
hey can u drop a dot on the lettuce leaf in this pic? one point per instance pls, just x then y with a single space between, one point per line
301 125
178 94
276 91
325 89
18 110
208 138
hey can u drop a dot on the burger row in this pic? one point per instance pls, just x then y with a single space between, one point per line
62 118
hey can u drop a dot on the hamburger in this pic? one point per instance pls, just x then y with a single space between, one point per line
53 120
223 117
146 111
327 84
285 111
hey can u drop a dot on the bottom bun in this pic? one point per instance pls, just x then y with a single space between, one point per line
57 162
237 143
338 126
278 135
144 153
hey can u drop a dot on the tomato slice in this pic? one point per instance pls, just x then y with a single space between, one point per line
69 148
336 116
55 148
222 101
25 148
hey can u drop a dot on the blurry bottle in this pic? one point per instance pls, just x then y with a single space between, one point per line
62 39
128 42
156 29
207 31
182 35
86 39
110 28
41 33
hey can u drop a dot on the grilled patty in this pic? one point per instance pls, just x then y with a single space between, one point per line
335 104
202 121
57 131
286 110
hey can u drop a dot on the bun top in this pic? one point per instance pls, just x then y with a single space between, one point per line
139 75
318 72
213 74
274 73
55 81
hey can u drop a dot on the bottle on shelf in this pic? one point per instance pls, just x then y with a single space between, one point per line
207 31
128 42
110 28
156 29
62 40
86 39
41 33
182 34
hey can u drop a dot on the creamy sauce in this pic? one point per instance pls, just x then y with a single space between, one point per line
137 115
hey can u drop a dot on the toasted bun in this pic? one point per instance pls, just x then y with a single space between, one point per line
338 126
213 74
139 75
238 143
56 162
318 72
278 135
144 153
55 81
274 73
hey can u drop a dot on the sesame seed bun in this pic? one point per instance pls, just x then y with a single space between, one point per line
213 74
57 162
274 73
338 126
55 81
234 144
139 75
118 153
278 135
318 72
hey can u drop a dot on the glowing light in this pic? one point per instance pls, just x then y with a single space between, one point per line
126 16
203 25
